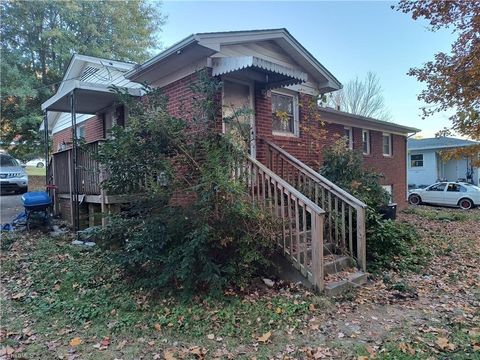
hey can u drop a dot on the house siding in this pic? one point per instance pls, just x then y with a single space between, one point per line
93 132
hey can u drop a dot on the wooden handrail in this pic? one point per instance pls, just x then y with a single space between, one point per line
345 213
301 239
337 190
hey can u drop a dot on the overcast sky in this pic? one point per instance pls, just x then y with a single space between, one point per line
348 38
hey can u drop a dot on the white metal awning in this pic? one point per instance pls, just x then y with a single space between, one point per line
276 75
90 98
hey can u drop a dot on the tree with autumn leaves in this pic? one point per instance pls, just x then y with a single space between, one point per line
452 80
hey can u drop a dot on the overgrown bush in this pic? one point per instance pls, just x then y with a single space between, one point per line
389 243
192 228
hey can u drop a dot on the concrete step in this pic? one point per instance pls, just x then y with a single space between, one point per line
339 264
352 281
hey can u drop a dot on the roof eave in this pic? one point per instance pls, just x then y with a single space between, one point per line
138 70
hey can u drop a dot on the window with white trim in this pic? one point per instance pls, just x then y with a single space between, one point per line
366 142
348 137
416 160
387 144
284 113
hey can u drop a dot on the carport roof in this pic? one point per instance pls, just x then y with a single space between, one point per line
90 98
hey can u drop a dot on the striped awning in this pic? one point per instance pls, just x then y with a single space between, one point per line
276 75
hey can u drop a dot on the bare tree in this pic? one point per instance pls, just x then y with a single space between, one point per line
361 97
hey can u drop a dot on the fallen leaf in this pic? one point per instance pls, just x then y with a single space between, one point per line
105 342
19 295
362 358
406 348
210 337
278 310
5 351
311 307
264 338
75 341
122 344
158 327
169 355
444 344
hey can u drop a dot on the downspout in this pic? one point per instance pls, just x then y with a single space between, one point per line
406 159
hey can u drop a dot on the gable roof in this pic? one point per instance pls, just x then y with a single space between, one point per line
443 142
202 45
348 119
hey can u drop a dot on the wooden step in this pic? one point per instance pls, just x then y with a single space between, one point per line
352 281
338 264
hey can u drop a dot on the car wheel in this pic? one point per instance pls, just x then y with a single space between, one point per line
414 199
465 204
40 165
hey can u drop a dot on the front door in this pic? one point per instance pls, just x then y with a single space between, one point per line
237 113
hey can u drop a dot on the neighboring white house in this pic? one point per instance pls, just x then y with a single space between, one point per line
425 166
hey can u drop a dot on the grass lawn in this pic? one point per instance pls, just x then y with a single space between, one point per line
34 171
62 301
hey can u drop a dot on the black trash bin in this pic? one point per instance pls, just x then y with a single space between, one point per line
388 212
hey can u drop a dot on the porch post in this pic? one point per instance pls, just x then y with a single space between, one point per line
75 205
45 127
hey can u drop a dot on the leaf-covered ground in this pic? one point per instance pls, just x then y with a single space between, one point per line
59 301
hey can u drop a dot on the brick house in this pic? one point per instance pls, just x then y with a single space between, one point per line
266 70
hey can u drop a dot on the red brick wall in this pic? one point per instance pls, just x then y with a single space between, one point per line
93 132
315 134
393 168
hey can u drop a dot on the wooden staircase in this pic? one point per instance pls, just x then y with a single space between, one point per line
322 226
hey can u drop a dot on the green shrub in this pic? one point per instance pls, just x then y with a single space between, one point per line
390 244
219 238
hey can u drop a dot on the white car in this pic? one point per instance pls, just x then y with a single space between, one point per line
39 163
461 194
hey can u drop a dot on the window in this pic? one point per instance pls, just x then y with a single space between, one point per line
416 160
284 113
81 131
387 144
389 190
456 188
366 142
349 137
437 187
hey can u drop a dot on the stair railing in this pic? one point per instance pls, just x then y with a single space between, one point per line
345 214
302 221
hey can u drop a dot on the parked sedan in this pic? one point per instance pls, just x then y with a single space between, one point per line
39 163
461 194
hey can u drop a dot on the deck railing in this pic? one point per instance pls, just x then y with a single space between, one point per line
302 221
345 214
88 170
